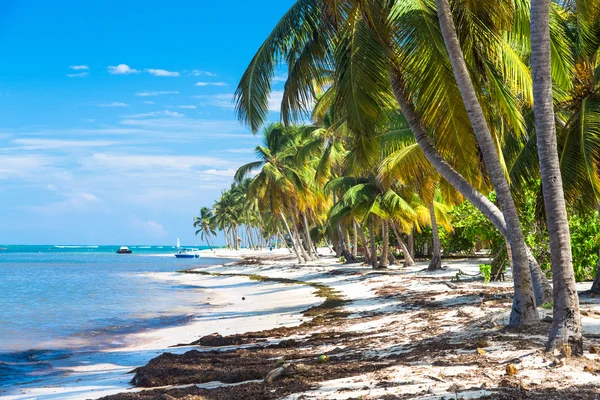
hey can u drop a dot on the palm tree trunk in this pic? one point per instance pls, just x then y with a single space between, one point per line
436 257
385 250
299 242
355 240
523 310
411 245
408 260
309 243
364 242
482 203
294 245
347 243
372 242
566 322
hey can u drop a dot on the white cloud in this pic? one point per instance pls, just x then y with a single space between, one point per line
49 144
158 93
149 228
275 100
26 166
187 107
114 104
162 72
224 172
216 100
148 102
197 72
78 75
124 163
157 114
121 69
78 201
79 67
51 187
211 84
280 78
237 151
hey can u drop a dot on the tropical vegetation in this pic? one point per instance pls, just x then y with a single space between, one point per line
426 128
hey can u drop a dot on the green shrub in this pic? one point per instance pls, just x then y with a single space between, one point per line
486 272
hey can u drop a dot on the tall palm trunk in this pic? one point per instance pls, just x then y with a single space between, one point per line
408 260
385 248
411 244
294 244
566 322
436 256
483 204
299 242
309 243
355 240
372 242
364 242
523 310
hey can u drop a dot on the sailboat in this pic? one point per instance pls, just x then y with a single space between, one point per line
185 253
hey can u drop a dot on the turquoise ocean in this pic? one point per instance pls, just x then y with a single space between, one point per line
58 300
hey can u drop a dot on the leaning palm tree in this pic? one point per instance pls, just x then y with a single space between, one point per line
205 226
317 34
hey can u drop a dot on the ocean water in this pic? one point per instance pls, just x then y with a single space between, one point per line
58 300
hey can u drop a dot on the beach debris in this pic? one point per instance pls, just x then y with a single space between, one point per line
323 359
588 368
481 343
285 369
511 370
547 318
593 349
280 361
566 351
217 340
243 298
480 351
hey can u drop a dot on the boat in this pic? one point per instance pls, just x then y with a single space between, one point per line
124 250
187 253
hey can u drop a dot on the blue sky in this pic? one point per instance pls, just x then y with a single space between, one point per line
116 117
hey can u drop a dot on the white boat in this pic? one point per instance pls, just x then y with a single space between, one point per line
124 250
186 253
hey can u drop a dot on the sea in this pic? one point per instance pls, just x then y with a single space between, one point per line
57 300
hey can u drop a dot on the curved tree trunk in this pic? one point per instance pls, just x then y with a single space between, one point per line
305 255
294 244
596 284
436 256
566 322
355 240
408 260
364 242
384 262
309 244
372 242
410 243
523 310
482 203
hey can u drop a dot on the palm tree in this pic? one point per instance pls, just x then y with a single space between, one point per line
363 57
566 323
205 226
275 185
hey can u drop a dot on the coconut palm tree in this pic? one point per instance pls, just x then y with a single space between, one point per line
205 226
366 57
275 185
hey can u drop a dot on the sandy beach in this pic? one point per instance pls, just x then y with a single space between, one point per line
400 333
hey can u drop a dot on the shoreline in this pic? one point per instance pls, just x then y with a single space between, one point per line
400 333
90 375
